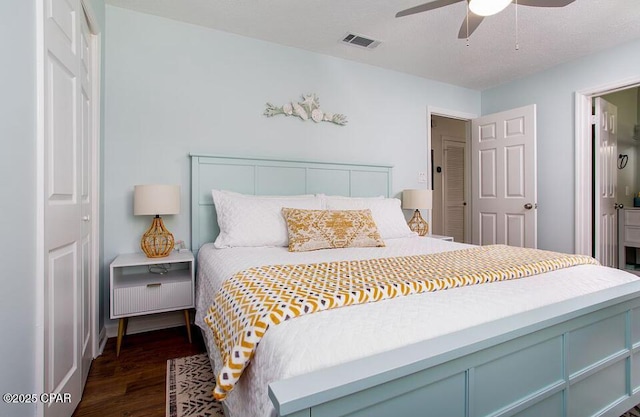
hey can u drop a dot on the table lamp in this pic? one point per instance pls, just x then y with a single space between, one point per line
156 200
417 199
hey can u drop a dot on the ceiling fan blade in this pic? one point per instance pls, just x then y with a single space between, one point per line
545 3
436 4
474 22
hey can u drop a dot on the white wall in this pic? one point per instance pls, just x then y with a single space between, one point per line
175 88
553 92
17 205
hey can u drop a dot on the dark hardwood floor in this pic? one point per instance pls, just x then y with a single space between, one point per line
134 384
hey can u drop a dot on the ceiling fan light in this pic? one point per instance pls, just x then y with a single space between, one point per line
487 7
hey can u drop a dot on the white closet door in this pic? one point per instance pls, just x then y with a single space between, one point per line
67 175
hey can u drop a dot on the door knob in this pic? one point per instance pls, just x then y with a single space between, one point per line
85 218
528 206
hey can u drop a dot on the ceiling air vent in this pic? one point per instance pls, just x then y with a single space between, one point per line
360 41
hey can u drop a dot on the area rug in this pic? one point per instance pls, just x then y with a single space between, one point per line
189 385
190 381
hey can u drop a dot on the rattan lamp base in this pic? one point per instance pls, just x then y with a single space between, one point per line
157 241
417 224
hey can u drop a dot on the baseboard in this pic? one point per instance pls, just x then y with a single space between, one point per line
149 323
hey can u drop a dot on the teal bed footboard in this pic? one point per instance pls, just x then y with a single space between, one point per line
577 358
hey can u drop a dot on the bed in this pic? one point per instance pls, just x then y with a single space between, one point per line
553 348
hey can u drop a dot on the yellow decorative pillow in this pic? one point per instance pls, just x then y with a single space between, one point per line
330 229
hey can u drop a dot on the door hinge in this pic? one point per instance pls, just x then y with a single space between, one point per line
594 119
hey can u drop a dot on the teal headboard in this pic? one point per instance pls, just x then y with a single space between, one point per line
260 176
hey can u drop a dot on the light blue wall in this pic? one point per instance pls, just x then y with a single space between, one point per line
18 202
553 91
98 8
175 88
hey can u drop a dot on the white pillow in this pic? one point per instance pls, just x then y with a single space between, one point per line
386 213
253 221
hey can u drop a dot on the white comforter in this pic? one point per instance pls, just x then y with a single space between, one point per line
331 337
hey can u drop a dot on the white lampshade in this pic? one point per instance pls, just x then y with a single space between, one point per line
487 7
156 199
417 199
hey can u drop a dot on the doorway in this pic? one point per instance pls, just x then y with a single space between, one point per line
628 134
615 144
500 157
450 170
624 96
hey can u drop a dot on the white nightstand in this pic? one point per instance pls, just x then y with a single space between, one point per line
447 238
136 290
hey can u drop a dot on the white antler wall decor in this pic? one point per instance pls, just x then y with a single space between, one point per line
307 109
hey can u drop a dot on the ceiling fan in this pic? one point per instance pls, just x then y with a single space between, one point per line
479 9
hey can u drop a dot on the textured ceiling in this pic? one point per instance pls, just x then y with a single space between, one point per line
425 44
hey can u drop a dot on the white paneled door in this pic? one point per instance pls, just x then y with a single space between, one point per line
67 203
606 157
503 163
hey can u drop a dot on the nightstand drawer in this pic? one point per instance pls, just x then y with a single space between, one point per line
133 300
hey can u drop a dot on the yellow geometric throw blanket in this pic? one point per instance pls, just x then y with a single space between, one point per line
256 298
